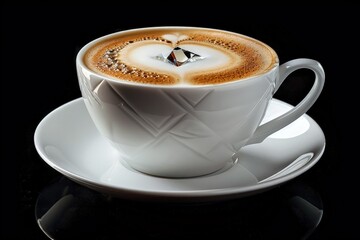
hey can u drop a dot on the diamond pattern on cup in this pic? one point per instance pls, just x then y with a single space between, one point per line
194 98
156 120
195 135
190 117
87 87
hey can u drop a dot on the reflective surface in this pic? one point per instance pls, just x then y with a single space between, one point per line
31 49
66 210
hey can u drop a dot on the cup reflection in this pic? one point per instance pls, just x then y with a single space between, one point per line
66 210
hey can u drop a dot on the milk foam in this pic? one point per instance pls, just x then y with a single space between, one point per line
225 57
141 55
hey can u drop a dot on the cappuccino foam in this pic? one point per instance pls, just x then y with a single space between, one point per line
141 56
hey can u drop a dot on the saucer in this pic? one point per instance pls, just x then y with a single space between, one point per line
68 141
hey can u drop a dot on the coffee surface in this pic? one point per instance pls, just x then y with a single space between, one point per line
185 56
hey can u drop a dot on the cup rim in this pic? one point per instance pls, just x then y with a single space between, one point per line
83 50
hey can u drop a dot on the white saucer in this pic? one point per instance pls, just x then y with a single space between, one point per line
68 141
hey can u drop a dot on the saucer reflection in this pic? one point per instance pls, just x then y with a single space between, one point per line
66 210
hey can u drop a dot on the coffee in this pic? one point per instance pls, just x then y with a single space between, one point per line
185 56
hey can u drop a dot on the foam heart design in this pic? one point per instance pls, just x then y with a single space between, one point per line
144 55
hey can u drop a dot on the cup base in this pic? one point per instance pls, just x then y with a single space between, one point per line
179 175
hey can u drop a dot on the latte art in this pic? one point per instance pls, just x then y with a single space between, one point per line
187 56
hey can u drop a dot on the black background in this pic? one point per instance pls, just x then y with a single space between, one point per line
38 50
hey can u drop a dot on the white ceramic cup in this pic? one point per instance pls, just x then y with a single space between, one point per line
187 131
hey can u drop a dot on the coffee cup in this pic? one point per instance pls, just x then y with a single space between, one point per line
182 101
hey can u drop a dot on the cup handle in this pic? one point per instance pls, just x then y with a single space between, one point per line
264 130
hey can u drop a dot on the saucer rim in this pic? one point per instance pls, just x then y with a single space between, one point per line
193 195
